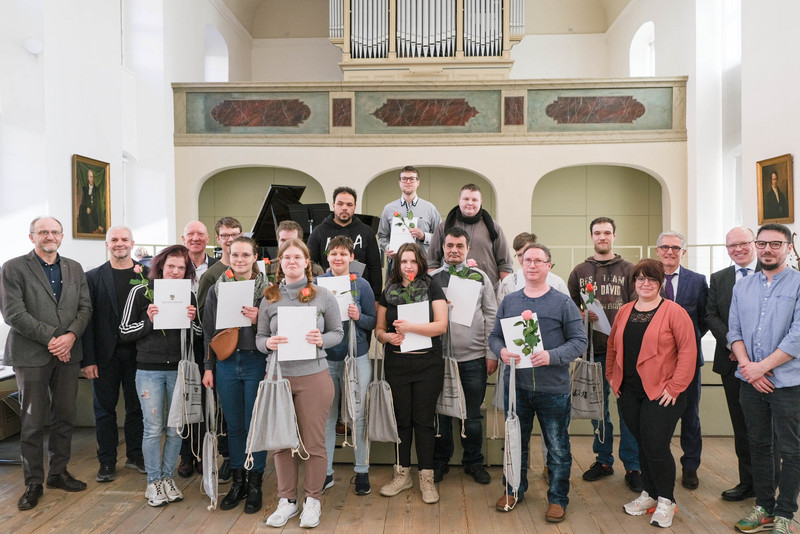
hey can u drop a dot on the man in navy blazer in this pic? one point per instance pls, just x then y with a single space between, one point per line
110 363
690 290
45 300
739 242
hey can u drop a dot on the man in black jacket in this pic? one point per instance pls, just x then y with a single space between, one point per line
110 363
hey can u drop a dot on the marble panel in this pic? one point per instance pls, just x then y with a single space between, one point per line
342 112
595 109
514 111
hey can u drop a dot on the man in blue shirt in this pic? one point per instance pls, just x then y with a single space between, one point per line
764 334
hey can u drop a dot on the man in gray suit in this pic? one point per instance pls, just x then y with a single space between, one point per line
45 300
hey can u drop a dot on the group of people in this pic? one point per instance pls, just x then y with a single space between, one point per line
657 310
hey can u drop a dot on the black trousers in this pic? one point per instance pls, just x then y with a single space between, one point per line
741 445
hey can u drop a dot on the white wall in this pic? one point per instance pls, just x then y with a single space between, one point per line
560 56
296 60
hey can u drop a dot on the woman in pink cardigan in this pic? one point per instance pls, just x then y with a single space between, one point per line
650 361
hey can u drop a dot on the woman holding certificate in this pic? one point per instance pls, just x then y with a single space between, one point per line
158 352
412 316
304 319
239 373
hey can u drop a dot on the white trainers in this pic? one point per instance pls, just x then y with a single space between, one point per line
172 491
155 494
640 505
285 511
311 512
664 513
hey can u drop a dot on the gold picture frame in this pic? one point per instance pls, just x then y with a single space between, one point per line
775 190
91 197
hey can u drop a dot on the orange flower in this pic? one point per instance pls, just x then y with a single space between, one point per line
305 291
589 287
397 214
411 277
353 277
266 261
229 274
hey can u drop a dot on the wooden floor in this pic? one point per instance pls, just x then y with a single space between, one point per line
465 506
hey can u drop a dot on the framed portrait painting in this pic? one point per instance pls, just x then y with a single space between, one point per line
775 190
91 197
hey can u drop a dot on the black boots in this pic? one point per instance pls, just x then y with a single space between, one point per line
253 502
238 490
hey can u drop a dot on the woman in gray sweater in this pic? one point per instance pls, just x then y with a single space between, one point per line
312 387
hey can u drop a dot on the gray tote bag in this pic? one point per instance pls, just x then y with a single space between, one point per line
186 407
451 401
587 386
353 403
512 449
381 422
210 481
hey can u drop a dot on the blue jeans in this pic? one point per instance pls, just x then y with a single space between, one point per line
336 369
604 451
237 383
554 411
155 390
473 380
763 413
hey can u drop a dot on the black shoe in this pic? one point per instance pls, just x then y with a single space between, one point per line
65 481
254 497
237 492
186 467
362 484
689 479
224 473
439 471
597 471
633 479
30 498
136 463
739 493
107 472
328 483
478 474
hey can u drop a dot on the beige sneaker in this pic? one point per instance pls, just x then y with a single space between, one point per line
427 487
401 481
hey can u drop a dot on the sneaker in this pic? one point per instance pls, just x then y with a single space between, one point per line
756 521
155 494
664 513
598 471
427 487
285 511
439 471
328 483
172 491
224 473
400 481
633 479
107 472
136 463
311 512
362 484
643 504
783 525
479 474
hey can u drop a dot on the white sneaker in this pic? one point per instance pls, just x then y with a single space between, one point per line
664 513
172 491
155 494
311 511
640 505
285 511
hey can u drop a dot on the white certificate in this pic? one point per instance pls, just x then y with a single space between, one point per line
400 233
295 323
340 287
172 297
512 332
416 312
602 324
231 297
463 295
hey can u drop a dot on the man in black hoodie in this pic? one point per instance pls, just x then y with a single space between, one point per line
343 222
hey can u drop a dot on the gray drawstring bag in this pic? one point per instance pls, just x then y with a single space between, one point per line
381 422
451 401
352 400
512 450
210 481
273 425
186 407
587 387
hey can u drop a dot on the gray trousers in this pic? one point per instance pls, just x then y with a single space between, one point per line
53 386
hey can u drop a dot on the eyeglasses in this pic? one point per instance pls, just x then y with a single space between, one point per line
674 248
734 246
45 233
408 180
646 280
774 245
225 237
537 263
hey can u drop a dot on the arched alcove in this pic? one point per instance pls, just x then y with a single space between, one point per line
240 192
216 56
643 51
566 200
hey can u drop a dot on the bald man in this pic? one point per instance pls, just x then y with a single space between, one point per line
195 238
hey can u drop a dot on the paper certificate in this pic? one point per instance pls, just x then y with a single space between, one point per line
601 324
512 332
231 297
172 297
295 323
340 287
463 295
400 233
416 312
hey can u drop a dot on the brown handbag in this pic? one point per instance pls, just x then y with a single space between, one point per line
225 343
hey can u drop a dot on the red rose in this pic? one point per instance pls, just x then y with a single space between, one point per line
353 277
305 291
396 214
229 274
411 277
266 261
589 287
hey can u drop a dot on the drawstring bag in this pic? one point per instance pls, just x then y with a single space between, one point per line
587 387
210 481
273 425
352 401
512 450
498 401
451 400
186 407
381 422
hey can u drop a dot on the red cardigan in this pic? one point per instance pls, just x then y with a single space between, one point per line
668 357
